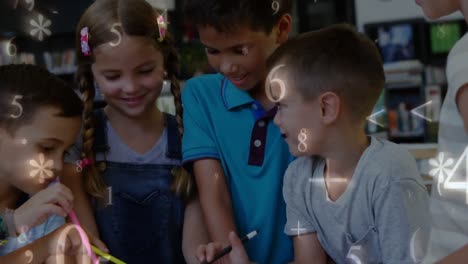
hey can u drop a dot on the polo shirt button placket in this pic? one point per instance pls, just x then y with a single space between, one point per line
261 123
257 143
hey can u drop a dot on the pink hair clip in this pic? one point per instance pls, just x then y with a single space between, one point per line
162 25
85 41
86 162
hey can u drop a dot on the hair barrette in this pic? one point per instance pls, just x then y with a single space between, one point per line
85 41
86 162
162 25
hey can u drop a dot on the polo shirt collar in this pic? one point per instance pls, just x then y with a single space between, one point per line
232 96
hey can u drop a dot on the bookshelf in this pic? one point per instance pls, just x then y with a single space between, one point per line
42 33
414 53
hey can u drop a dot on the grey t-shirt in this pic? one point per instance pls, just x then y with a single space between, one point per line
120 152
382 217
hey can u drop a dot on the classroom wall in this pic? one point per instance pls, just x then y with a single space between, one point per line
368 11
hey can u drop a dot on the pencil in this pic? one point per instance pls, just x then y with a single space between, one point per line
228 249
107 256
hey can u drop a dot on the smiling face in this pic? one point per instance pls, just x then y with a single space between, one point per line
47 135
130 75
300 122
240 55
435 9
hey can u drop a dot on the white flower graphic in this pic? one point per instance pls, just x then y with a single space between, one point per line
441 168
40 27
43 168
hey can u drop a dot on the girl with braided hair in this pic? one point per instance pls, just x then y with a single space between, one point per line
134 193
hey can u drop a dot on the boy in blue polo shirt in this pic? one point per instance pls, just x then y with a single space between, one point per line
237 153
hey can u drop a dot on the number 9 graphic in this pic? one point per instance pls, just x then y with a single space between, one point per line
30 255
275 6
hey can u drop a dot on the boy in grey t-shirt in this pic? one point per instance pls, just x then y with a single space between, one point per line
358 199
381 217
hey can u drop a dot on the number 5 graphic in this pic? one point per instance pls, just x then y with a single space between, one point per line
17 104
116 32
351 256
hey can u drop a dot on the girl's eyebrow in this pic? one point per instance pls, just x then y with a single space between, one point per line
109 71
150 62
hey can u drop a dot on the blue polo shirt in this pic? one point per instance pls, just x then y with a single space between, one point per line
225 123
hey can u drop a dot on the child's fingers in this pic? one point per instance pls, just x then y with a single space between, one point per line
66 192
59 189
75 241
60 199
200 253
212 249
59 259
51 209
97 242
234 239
238 254
82 256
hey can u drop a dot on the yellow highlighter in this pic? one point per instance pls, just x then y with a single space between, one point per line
107 256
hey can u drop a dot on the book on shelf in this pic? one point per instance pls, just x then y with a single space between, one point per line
403 73
62 62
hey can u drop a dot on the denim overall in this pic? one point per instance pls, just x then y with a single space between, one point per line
143 222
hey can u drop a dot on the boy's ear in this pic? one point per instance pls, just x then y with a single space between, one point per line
329 107
283 28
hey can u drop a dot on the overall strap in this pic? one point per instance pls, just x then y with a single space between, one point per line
100 132
174 144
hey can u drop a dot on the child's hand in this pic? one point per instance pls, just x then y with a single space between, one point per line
65 243
236 256
56 199
95 241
